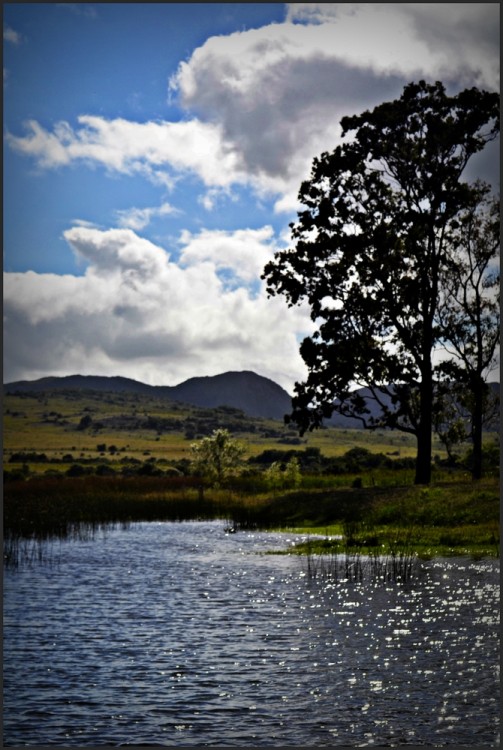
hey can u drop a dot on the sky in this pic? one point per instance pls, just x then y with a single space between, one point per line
153 154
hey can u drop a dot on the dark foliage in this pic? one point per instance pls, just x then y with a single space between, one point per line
369 254
311 461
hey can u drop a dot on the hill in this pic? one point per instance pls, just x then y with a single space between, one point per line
337 420
254 394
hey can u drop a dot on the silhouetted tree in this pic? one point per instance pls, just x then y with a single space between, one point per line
369 255
468 311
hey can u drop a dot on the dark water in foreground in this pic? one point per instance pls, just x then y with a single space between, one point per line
177 634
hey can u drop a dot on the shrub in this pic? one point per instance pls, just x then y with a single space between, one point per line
85 422
76 470
283 476
217 456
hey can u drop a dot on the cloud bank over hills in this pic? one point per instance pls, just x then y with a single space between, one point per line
171 287
136 312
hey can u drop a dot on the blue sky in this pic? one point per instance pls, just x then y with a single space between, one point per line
152 159
112 62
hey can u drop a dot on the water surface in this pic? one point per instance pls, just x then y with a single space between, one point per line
178 634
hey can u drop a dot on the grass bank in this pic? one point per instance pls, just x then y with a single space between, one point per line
447 518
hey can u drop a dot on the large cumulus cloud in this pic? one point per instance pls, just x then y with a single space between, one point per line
260 104
136 312
279 92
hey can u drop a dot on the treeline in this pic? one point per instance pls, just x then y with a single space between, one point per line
100 466
193 426
310 461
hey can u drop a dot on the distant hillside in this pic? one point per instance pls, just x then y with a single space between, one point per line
255 395
78 382
337 420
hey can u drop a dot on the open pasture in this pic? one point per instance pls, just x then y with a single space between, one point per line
80 423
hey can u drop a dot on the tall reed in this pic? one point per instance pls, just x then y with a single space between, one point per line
354 566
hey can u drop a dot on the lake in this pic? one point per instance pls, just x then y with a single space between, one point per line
181 634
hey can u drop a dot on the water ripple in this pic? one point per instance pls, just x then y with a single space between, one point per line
177 634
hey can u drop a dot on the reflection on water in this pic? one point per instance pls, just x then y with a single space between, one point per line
178 634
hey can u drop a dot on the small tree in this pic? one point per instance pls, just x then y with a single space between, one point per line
449 416
293 476
283 476
217 456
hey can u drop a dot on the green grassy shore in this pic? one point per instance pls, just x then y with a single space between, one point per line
74 461
447 518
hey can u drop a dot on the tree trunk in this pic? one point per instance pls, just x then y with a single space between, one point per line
423 460
424 443
477 416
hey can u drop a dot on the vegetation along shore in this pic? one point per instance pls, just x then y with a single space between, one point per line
347 490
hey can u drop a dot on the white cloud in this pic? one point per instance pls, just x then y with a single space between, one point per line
243 252
12 37
116 252
265 101
139 218
214 196
130 147
85 223
136 312
9 35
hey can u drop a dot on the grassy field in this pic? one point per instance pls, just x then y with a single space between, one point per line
447 518
49 423
369 503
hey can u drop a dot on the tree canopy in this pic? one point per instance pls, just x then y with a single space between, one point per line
468 314
370 248
217 456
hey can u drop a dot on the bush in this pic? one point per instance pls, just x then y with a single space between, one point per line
18 458
76 470
490 458
85 422
149 470
283 476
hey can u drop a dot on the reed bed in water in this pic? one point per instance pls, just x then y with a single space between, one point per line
27 550
355 559
380 526
44 509
51 507
355 566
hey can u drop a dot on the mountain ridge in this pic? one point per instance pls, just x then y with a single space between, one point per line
254 394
